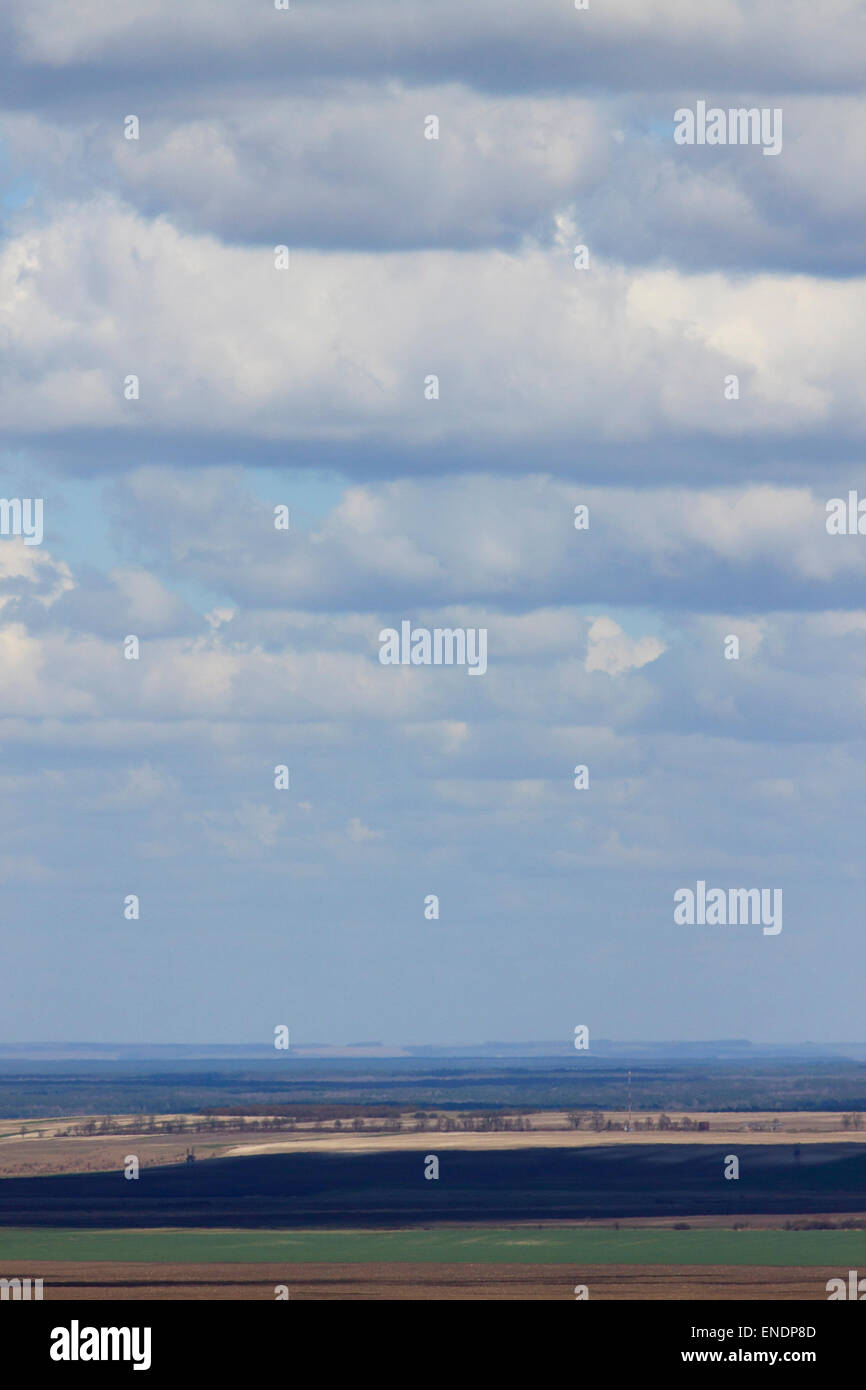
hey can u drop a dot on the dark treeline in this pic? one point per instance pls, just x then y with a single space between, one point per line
328 1119
310 1112
384 1121
352 1087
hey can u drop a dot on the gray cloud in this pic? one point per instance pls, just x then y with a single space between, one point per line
508 541
57 52
349 168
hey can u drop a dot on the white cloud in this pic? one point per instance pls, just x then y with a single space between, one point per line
246 832
361 834
45 578
612 651
330 350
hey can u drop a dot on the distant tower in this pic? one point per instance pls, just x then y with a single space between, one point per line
628 1121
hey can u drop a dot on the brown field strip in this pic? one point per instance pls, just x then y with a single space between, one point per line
134 1282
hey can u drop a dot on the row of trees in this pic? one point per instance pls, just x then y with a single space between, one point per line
596 1121
474 1123
268 1124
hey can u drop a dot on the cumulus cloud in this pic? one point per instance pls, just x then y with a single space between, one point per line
359 833
359 174
330 353
509 541
29 573
611 650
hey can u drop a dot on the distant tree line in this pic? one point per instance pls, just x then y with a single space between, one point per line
382 1120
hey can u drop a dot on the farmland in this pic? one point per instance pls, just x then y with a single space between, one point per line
514 1263
572 1246
30 1148
321 1188
375 1189
429 1281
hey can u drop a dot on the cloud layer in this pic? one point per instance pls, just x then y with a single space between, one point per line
431 387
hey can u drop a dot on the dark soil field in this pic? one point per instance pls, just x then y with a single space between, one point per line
316 1281
381 1189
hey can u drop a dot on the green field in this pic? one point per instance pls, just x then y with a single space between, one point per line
525 1245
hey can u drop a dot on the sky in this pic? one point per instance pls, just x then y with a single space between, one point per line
696 385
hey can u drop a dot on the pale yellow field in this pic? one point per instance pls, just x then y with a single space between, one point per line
535 1139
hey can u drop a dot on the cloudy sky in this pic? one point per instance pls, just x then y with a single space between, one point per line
559 386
